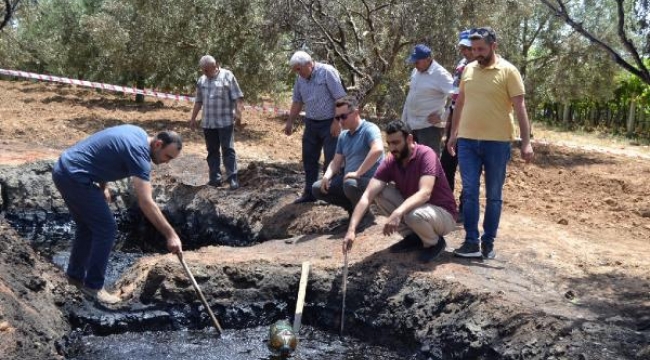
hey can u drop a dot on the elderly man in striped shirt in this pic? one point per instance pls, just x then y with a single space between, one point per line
218 93
317 87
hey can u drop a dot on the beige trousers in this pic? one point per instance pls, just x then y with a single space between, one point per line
428 221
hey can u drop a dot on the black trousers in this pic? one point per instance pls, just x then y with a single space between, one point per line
450 163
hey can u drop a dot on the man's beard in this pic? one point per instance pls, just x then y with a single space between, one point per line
152 155
403 154
485 60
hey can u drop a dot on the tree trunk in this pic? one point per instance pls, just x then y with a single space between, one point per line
139 83
566 115
593 116
631 117
645 124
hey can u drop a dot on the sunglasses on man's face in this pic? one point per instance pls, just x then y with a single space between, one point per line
343 116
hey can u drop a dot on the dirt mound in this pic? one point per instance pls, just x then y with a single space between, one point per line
31 294
571 276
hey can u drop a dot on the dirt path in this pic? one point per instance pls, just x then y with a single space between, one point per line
573 238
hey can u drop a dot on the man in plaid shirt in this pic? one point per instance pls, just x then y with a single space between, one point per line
218 93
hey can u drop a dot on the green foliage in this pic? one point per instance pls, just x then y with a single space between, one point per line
149 43
630 87
157 43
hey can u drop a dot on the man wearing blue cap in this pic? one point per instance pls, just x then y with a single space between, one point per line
449 162
424 109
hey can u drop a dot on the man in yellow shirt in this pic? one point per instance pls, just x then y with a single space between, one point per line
491 90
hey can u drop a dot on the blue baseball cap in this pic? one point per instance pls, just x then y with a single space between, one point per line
420 52
463 38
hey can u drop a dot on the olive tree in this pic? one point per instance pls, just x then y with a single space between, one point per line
618 27
6 12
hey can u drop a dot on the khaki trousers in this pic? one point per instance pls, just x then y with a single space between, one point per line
428 221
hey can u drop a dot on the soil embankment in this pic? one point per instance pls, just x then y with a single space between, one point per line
571 279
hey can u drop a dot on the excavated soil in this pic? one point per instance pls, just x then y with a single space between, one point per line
571 277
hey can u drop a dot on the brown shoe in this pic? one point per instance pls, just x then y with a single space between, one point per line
101 295
74 282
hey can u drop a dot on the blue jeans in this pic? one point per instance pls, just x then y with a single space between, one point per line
221 142
96 228
343 193
474 157
315 138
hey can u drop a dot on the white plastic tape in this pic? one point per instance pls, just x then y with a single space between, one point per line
124 89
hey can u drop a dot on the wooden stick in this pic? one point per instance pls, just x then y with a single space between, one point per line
198 291
344 290
304 276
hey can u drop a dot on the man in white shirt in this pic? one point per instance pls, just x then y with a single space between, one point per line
429 88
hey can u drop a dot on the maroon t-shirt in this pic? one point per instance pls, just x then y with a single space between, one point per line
423 161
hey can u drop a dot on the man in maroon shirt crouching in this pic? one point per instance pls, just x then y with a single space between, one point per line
411 189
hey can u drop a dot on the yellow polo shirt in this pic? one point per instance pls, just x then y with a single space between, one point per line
487 111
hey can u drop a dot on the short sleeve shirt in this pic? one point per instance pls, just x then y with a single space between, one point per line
218 96
423 161
488 112
111 154
428 92
355 147
319 92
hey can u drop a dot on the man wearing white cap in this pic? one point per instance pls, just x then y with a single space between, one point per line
424 108
449 162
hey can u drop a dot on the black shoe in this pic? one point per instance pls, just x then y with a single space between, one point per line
410 242
234 184
469 250
488 251
304 199
431 253
215 183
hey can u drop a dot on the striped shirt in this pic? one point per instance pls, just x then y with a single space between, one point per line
458 73
218 95
320 92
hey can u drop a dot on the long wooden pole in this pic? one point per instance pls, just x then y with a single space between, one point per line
304 276
344 290
198 291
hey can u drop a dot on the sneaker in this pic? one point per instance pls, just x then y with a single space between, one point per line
469 250
431 253
410 242
488 251
305 198
234 184
101 295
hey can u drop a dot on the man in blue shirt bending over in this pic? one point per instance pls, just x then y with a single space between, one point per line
81 175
